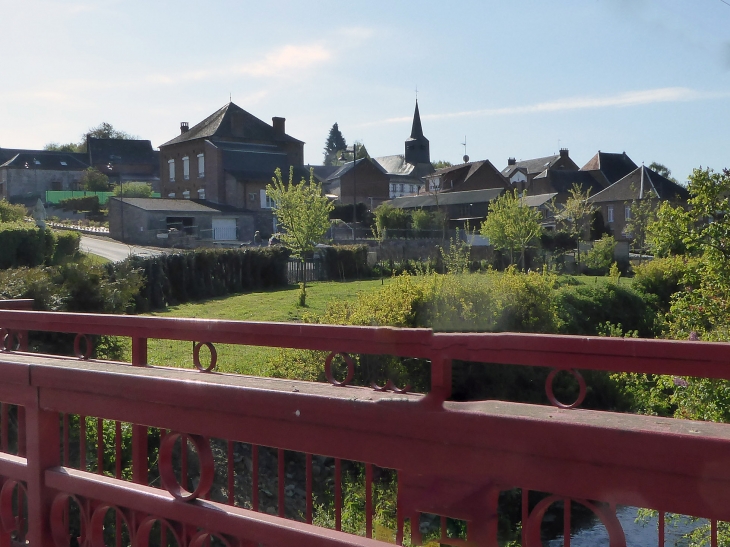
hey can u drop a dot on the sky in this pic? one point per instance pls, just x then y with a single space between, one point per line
517 78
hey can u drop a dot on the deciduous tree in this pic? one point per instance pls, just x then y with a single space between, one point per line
94 181
575 214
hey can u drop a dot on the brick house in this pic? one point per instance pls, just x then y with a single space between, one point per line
521 174
228 159
365 181
615 201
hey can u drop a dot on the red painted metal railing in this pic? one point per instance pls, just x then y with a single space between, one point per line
223 458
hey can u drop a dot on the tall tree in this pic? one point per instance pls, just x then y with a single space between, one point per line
94 181
58 147
511 225
441 164
303 212
575 215
335 143
663 170
642 213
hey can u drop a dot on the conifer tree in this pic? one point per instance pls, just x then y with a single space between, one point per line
335 143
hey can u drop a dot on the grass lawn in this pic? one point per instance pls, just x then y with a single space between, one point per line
277 305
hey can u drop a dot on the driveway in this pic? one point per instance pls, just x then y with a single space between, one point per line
114 250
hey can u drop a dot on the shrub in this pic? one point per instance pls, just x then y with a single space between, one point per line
24 244
86 203
10 212
599 259
67 246
133 190
346 261
663 277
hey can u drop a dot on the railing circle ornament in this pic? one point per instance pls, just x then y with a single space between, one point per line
213 356
204 539
142 538
167 474
581 388
88 347
350 369
11 522
96 526
60 520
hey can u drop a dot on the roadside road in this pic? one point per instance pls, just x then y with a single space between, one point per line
114 250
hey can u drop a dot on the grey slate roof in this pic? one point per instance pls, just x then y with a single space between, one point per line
45 160
640 184
535 165
446 198
458 174
537 200
124 151
562 180
614 166
347 167
168 205
226 122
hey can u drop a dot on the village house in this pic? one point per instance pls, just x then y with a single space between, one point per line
522 173
477 175
26 175
125 160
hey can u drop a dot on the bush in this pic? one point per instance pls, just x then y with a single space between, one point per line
599 259
67 246
133 190
86 203
24 244
346 261
663 277
10 212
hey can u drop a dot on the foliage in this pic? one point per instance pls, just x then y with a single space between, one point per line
10 212
666 234
441 164
344 213
643 213
510 225
134 190
346 261
388 217
335 142
600 258
86 203
23 244
67 147
67 246
662 278
423 221
94 181
574 214
663 170
457 259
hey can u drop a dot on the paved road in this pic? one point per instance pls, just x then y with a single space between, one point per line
113 250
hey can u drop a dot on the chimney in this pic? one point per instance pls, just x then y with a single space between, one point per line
563 152
279 125
511 161
184 127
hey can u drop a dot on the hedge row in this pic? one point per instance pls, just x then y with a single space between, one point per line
22 244
346 262
183 277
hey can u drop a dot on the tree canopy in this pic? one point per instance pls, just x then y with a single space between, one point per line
512 225
663 170
335 142
133 190
441 164
94 181
104 130
575 214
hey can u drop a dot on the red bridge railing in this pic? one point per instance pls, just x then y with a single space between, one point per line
106 453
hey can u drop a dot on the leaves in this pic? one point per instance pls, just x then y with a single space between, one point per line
511 224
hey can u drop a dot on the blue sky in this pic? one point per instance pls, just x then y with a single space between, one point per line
518 78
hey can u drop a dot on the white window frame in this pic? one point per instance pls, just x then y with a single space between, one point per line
201 166
266 201
186 168
609 213
171 170
627 212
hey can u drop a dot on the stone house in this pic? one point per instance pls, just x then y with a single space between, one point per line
522 173
477 175
26 175
125 160
363 181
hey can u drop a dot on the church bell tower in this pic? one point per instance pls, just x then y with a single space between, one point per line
417 147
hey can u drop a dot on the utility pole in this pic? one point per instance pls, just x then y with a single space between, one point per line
354 192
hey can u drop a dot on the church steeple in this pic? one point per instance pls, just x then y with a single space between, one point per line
417 146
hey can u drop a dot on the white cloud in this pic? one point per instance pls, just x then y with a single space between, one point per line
627 99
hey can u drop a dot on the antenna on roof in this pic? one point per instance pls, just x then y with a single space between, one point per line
230 100
416 92
466 158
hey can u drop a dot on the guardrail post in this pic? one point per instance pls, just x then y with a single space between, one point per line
43 452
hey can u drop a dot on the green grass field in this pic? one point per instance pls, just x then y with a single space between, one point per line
278 305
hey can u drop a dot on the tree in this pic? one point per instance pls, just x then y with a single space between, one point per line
94 181
107 131
10 212
643 213
133 190
574 215
56 147
511 224
663 170
441 164
335 143
303 213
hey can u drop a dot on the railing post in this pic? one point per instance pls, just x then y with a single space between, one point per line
139 432
43 452
440 380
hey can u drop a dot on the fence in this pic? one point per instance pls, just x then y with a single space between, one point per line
56 196
72 476
310 270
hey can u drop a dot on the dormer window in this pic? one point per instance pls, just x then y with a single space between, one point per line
36 161
64 164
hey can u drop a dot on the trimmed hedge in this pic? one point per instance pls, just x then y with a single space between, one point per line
25 245
67 245
346 261
183 277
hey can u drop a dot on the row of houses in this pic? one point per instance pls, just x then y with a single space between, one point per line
213 176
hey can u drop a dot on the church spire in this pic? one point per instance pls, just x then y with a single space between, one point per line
416 129
417 146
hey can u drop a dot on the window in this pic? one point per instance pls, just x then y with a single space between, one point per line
609 214
186 168
171 166
64 163
627 212
402 187
392 187
201 166
266 201
413 188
